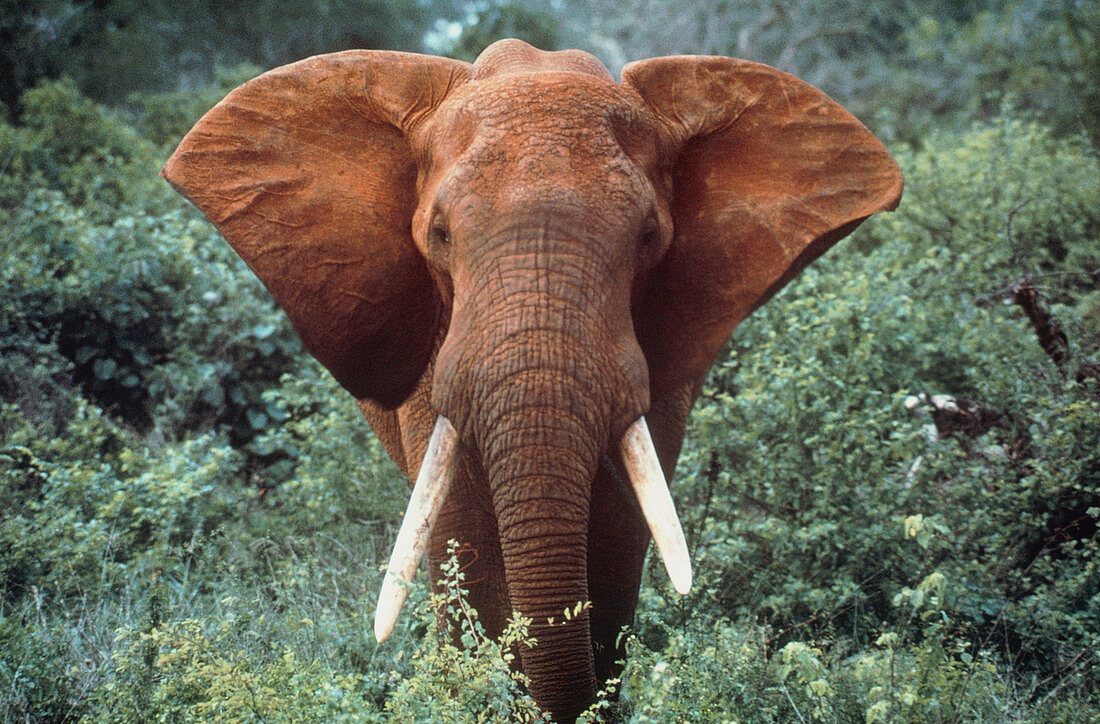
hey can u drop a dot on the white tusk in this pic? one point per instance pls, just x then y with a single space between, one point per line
648 481
429 492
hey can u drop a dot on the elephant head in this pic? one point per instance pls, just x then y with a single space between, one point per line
523 270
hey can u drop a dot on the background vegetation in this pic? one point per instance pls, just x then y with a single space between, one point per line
192 516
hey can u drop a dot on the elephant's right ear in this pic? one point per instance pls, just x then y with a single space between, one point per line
307 172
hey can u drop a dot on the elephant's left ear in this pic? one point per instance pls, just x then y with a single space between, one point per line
308 172
768 173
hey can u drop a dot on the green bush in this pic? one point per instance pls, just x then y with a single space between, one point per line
802 465
88 516
460 674
713 670
196 670
112 49
182 672
957 63
322 458
89 153
104 532
154 316
71 526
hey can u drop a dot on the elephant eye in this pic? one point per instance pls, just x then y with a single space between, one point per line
438 235
651 232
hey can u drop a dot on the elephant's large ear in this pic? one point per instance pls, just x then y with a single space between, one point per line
769 173
307 172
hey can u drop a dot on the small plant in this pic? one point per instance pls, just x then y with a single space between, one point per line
181 671
459 673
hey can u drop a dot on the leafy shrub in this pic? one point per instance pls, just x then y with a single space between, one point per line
87 517
715 670
72 526
182 672
960 65
194 670
323 460
802 464
173 331
460 674
104 532
67 143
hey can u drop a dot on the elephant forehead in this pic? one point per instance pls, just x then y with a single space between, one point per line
521 167
565 129
547 108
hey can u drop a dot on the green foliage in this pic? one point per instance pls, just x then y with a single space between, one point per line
459 674
491 20
180 672
707 673
104 532
135 348
84 151
221 667
1041 55
177 333
1083 24
712 670
87 515
808 483
321 437
115 48
43 666
1010 199
71 526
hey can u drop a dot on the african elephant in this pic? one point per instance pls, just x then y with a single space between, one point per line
523 270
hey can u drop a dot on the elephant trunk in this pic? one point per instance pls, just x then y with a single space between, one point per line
538 383
540 455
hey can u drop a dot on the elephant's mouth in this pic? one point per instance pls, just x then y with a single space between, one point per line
434 480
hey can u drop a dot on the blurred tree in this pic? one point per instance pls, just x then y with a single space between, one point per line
1036 55
1083 22
796 36
904 67
487 22
31 34
113 48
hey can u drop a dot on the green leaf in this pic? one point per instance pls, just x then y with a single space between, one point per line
256 419
104 368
